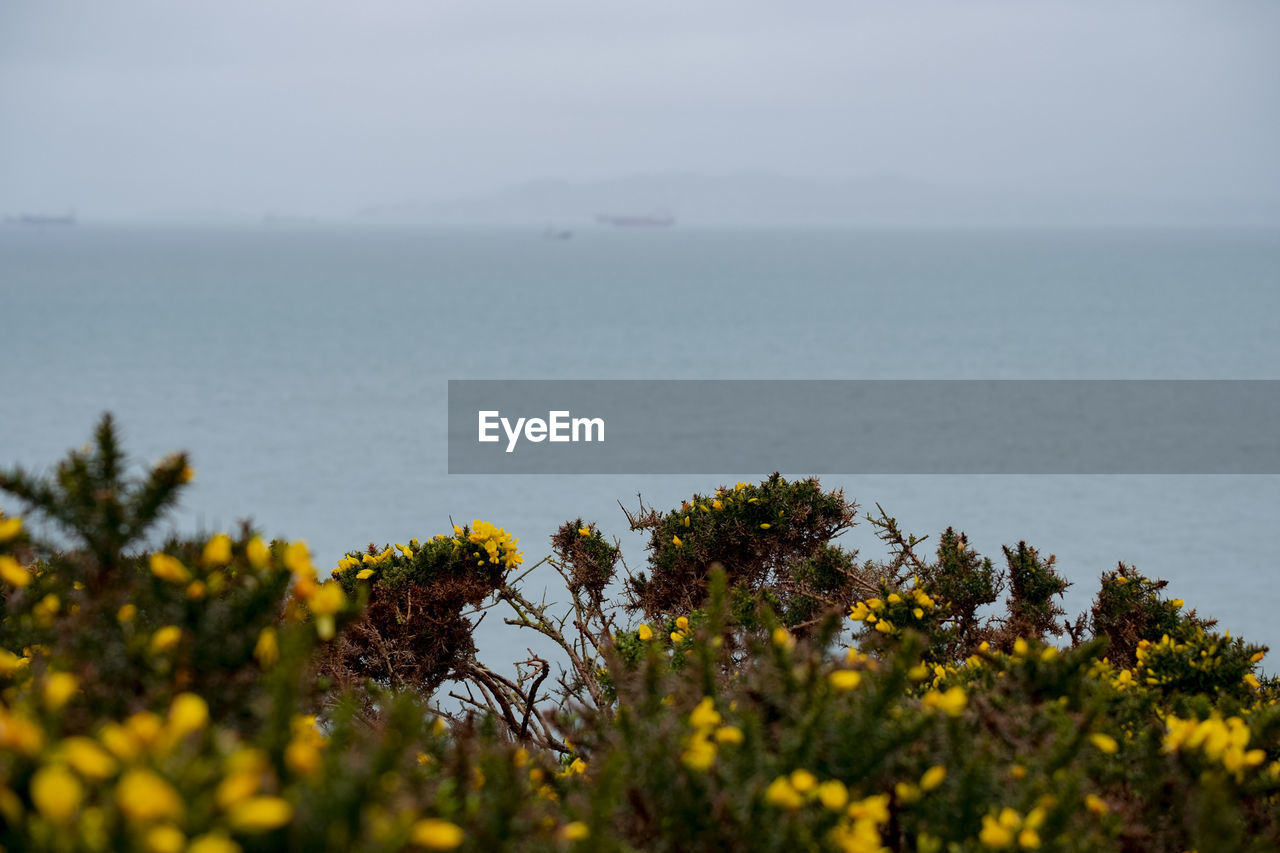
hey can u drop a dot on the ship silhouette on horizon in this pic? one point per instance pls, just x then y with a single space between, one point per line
41 219
636 220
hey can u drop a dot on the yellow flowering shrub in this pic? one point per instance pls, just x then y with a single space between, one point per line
218 695
412 633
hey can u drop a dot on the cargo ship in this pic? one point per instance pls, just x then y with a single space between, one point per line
636 220
42 219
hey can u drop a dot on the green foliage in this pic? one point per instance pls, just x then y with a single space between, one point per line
772 539
963 583
1033 586
214 696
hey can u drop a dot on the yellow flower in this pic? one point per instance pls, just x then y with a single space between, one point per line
906 793
56 793
765 526
874 809
717 505
584 531
682 623
303 752
435 834
728 734
1104 742
933 777
297 559
327 600
165 839
11 663
217 551
845 679
781 793
169 568
237 787
19 734
803 781
187 474
59 687
364 574
257 553
87 758
188 713
145 727
705 715
144 797
165 639
575 831
952 702
10 528
213 842
833 794
994 834
267 650
260 814
645 633
782 638
126 613
675 540
1096 805
119 741
12 572
699 753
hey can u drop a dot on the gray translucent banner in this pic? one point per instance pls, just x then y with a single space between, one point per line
864 426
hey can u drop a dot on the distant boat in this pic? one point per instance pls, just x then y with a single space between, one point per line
636 220
557 234
42 219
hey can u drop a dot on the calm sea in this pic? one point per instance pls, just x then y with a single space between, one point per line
305 369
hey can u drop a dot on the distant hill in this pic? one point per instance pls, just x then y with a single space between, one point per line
763 199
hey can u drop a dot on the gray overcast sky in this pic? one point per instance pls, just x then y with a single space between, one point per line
130 107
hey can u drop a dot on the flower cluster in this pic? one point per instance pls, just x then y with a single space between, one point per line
1222 742
708 734
895 612
1198 661
1009 830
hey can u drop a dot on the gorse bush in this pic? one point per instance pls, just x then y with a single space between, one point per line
754 687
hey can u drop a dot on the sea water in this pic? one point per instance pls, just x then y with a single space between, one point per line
305 370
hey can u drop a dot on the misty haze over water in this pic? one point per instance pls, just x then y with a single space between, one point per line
732 112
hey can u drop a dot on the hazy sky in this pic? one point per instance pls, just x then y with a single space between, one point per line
322 107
